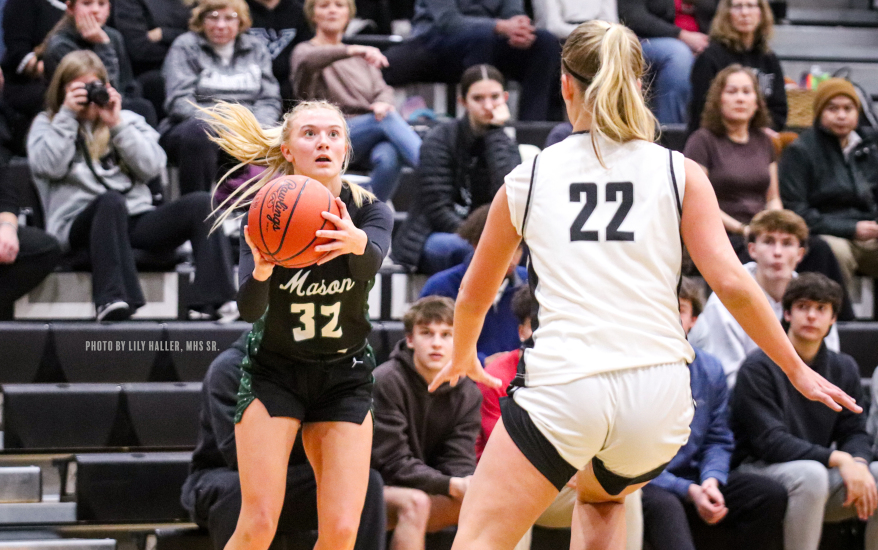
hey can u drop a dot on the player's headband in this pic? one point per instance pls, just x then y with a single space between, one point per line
574 74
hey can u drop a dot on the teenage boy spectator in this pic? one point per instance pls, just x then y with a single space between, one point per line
696 489
450 36
424 443
829 176
672 33
776 243
212 492
822 457
560 513
501 331
280 24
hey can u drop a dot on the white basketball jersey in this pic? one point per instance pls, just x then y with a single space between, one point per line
605 257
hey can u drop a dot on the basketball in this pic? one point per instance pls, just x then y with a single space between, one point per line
285 216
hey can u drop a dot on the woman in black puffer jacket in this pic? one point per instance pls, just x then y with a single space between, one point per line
463 163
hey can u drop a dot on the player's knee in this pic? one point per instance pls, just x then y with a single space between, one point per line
259 522
341 533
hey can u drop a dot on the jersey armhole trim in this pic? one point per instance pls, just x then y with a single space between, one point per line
530 190
674 183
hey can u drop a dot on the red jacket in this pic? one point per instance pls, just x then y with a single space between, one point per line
503 368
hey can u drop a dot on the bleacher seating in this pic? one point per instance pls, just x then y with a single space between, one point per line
130 487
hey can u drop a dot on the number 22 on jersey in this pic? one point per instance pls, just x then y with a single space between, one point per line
307 330
612 192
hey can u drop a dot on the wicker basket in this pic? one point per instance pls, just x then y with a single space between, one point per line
801 108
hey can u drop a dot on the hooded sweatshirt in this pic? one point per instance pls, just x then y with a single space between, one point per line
66 183
422 439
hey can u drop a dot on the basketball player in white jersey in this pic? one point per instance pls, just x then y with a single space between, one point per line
602 399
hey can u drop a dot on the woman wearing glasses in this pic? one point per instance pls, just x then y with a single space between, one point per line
740 33
215 61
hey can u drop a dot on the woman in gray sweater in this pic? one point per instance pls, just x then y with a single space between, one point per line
215 61
91 161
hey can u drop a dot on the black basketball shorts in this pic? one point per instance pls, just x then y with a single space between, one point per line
336 391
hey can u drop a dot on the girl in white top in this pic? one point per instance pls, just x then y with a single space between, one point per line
603 399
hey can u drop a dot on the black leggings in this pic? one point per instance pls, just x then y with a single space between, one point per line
38 254
189 147
106 230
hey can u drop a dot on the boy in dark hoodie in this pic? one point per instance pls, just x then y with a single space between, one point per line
424 443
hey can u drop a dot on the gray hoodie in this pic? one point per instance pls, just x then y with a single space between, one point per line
65 182
195 73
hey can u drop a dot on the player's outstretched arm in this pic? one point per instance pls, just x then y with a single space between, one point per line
711 251
478 289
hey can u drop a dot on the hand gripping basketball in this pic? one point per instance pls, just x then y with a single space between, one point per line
284 219
346 239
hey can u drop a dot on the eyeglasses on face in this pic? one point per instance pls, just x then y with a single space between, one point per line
216 17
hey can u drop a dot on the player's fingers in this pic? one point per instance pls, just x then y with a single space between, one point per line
338 221
329 247
486 379
330 234
342 208
841 399
441 377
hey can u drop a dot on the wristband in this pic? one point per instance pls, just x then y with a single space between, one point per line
15 225
861 460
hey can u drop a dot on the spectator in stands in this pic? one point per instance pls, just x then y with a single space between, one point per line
280 25
424 444
448 37
212 492
149 27
734 150
776 242
25 25
84 27
822 457
350 77
740 34
697 482
90 163
829 176
501 331
27 254
672 33
560 513
463 163
560 17
215 61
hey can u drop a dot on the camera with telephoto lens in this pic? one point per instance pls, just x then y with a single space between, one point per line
97 93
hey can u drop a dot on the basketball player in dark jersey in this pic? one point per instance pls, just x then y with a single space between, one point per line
308 364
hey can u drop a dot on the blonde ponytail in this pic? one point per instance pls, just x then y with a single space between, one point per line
607 61
236 130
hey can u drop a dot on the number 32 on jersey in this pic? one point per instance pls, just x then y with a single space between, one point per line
308 327
588 193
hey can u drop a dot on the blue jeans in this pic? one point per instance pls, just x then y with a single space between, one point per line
387 143
670 63
443 251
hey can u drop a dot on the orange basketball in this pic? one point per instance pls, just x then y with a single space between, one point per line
285 216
